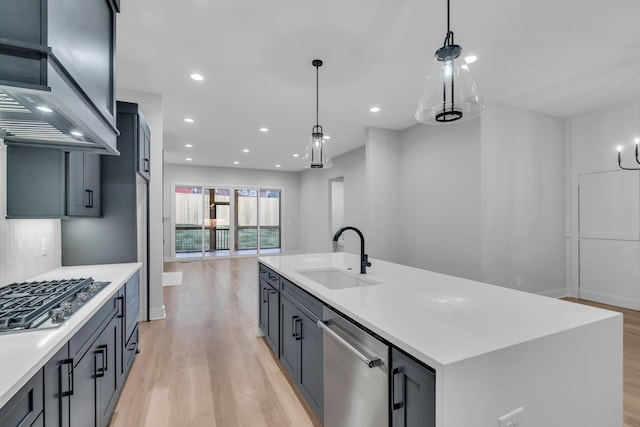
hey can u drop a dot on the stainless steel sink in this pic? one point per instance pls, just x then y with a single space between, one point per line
334 278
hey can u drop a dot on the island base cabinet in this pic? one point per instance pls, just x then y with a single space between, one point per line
413 397
24 409
269 316
301 353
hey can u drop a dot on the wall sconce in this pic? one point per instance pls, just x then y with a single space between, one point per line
637 158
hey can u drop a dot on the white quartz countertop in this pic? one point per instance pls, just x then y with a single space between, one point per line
22 354
439 319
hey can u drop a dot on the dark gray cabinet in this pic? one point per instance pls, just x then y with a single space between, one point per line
270 315
143 148
24 409
51 183
413 397
59 54
35 183
287 316
84 379
58 388
83 184
301 352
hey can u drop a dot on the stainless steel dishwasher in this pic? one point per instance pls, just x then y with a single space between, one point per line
356 383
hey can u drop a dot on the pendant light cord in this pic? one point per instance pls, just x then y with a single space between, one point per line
317 95
448 40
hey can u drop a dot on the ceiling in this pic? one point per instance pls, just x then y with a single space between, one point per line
561 58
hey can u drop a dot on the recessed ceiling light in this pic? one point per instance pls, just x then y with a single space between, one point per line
197 77
236 163
44 108
189 159
637 140
619 148
246 150
374 109
470 59
277 166
188 145
188 120
76 133
296 155
264 129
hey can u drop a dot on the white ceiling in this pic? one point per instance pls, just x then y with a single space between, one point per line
560 57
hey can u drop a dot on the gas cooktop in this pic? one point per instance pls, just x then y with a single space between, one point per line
37 305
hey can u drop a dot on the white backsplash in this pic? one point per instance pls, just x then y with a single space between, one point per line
21 240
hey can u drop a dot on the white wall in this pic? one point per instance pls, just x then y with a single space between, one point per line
384 189
482 199
337 204
603 224
288 182
21 239
441 198
523 208
151 105
315 211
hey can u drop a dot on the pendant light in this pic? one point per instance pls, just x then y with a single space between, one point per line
450 94
316 155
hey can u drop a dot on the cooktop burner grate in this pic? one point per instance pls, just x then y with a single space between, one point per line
26 305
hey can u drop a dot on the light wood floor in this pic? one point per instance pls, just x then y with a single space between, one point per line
204 366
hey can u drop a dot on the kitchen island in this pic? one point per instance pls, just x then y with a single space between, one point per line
493 349
23 354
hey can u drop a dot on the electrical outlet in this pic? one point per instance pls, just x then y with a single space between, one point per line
512 419
44 246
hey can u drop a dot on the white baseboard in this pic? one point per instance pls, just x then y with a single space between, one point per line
157 313
555 293
623 302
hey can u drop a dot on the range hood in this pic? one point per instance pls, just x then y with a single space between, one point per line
57 74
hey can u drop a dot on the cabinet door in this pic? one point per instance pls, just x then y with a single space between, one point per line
23 408
144 150
83 184
110 346
311 363
289 350
35 182
82 412
273 326
413 392
91 179
263 307
58 388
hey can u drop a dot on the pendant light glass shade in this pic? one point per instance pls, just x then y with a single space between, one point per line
450 94
316 155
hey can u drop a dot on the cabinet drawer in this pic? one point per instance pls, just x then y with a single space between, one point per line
132 290
24 408
303 298
130 350
269 275
82 340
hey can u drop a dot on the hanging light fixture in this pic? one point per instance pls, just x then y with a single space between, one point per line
450 94
637 141
316 154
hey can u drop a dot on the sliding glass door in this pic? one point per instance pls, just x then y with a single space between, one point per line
224 221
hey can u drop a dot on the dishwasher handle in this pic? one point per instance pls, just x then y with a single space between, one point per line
371 363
